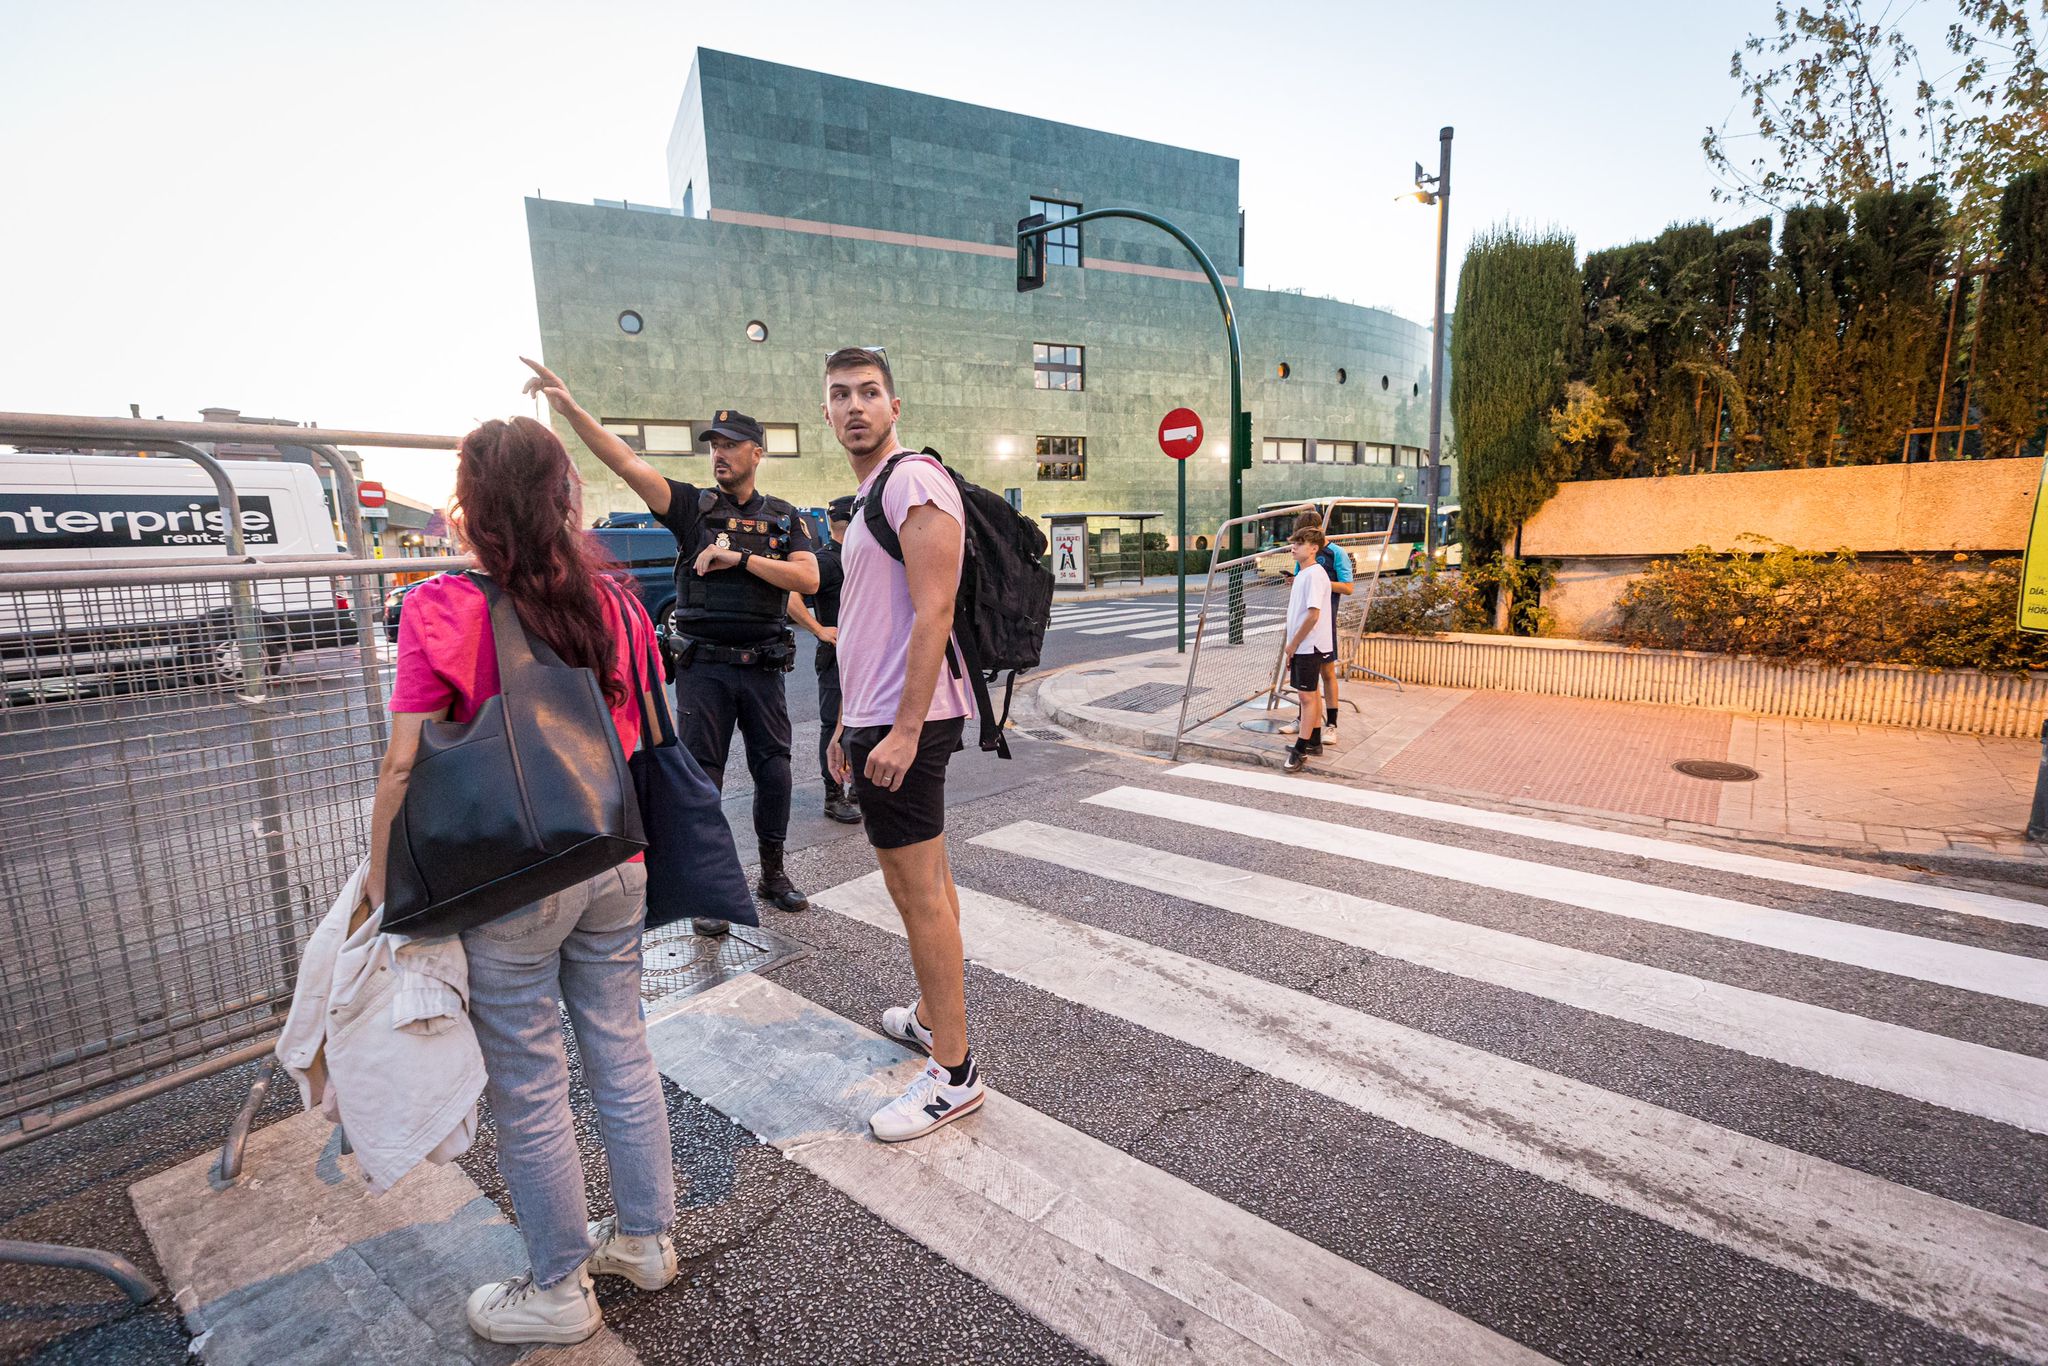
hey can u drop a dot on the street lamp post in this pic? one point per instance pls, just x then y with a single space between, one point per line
1031 233
1436 189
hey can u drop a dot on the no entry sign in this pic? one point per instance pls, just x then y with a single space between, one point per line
369 494
1180 433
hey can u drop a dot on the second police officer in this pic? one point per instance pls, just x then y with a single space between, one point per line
820 616
742 553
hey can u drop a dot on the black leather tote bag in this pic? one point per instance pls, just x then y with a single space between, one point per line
528 797
693 866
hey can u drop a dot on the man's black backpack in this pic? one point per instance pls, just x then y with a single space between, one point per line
1005 600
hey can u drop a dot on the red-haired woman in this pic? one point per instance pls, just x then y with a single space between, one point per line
519 509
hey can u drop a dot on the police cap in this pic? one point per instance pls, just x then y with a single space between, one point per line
734 426
840 509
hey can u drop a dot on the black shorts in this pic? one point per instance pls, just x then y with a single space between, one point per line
1305 670
916 811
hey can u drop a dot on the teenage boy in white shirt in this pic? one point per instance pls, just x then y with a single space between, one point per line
1311 642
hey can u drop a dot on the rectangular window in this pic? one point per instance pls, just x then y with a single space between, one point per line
1408 524
1336 452
1284 452
1062 245
1062 457
1412 457
1378 455
779 438
656 437
1055 366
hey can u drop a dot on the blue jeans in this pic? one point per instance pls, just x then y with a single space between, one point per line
581 946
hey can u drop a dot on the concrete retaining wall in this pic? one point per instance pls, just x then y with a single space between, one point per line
1962 700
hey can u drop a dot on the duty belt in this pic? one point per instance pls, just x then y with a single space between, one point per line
779 655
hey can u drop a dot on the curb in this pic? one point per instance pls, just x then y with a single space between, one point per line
1985 867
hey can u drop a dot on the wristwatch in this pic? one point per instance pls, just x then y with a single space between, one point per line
745 555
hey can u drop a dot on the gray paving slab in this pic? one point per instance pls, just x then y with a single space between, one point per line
299 1263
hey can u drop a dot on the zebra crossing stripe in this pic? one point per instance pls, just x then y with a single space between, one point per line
1963 966
1963 1270
1951 899
2009 1088
1063 1225
1097 619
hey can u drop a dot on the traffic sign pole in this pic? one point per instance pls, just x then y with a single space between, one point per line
1180 436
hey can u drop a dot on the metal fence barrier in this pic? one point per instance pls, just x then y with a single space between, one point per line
1238 651
157 724
187 757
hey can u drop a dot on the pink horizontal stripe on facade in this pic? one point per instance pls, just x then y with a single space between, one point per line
911 239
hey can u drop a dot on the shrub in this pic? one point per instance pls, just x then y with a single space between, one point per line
1800 606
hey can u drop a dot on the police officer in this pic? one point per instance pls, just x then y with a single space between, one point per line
820 616
742 554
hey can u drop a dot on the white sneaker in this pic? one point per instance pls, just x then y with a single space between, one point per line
648 1261
930 1102
900 1023
520 1311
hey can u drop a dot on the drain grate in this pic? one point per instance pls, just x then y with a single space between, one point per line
1146 697
1716 771
1045 733
676 961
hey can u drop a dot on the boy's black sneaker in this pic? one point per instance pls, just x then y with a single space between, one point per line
1297 757
1314 746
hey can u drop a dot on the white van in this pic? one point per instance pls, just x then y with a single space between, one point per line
106 511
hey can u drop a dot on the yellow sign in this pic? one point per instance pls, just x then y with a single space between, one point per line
2034 572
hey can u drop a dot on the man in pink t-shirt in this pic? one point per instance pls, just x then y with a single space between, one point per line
901 714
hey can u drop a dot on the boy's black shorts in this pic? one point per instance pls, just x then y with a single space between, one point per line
916 811
1305 671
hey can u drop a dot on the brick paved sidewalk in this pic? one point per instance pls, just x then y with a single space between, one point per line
1867 790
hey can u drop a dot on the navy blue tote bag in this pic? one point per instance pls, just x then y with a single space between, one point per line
693 867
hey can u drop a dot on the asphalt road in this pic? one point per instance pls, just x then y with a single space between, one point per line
1536 1084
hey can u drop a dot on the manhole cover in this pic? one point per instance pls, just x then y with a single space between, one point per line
676 961
1716 771
1145 697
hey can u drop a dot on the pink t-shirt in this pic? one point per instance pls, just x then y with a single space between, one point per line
875 614
447 656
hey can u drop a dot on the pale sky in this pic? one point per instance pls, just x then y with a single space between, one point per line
314 210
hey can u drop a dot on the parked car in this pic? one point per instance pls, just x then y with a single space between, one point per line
646 553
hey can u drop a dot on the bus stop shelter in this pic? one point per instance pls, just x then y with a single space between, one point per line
1082 559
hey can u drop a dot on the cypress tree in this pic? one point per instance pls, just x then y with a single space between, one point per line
1898 253
1800 402
1519 301
2012 337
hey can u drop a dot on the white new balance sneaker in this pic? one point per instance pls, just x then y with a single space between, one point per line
648 1261
900 1023
930 1102
520 1311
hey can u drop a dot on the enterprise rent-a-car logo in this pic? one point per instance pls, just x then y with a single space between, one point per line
100 521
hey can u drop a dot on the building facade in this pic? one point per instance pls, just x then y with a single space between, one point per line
812 211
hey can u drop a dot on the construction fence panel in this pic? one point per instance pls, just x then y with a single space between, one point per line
1237 654
187 759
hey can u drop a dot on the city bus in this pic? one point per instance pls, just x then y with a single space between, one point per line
1403 551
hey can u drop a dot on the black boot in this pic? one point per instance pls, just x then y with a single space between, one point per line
840 805
775 886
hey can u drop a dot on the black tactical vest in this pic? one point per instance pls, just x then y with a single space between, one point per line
735 597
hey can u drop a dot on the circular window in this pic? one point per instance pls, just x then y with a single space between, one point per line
1417 387
630 324
1285 369
1385 382
757 331
1341 376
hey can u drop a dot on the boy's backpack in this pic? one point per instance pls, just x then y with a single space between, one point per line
1005 598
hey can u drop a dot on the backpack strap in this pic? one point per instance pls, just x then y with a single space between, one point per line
871 502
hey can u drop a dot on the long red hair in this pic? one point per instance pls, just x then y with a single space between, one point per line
520 507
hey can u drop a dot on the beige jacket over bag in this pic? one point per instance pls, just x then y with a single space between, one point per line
379 1039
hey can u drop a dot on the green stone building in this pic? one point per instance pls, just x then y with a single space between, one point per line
811 211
